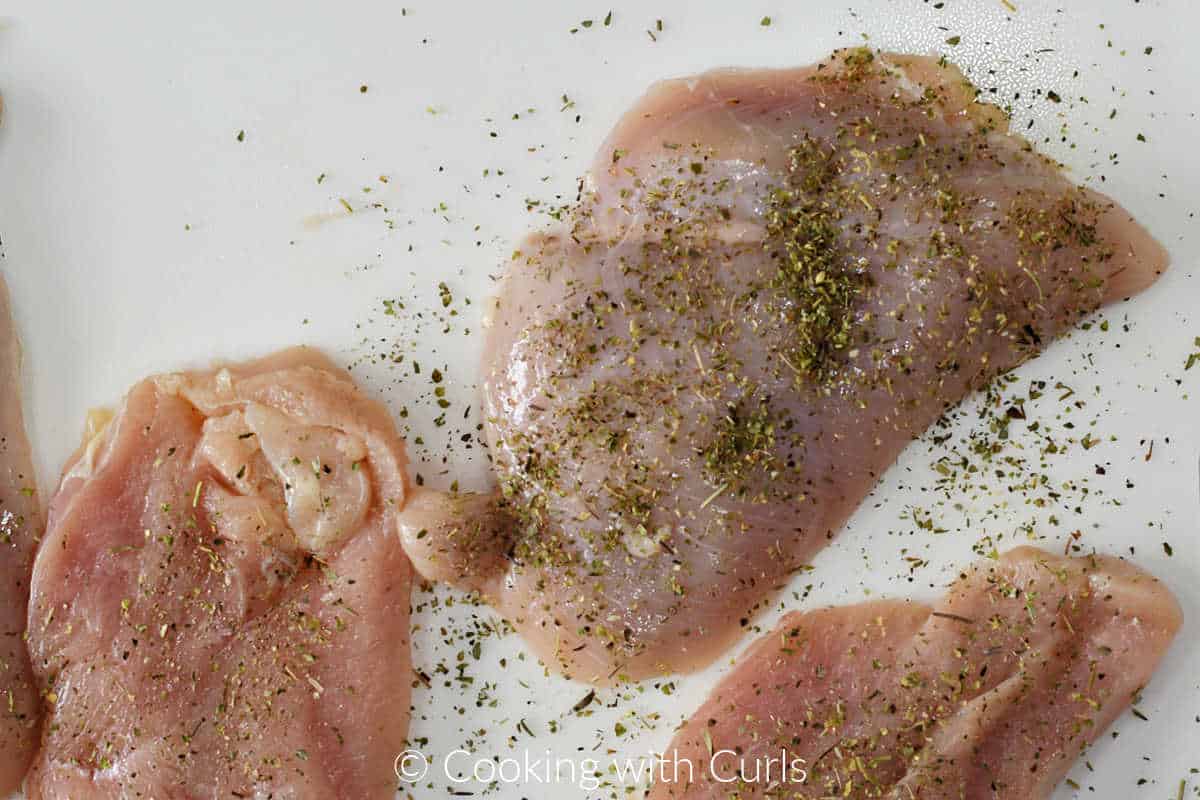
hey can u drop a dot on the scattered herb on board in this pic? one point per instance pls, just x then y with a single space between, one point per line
1194 357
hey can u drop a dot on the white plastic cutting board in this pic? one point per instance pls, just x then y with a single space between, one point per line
140 234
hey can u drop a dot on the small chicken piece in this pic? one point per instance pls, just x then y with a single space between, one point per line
21 526
992 693
774 281
220 606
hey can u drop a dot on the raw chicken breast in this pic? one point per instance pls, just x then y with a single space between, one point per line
220 606
993 693
20 528
774 281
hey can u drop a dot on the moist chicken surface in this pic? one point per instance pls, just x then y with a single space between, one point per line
220 605
991 693
773 281
21 526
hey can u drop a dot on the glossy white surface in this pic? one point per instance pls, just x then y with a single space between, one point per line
140 235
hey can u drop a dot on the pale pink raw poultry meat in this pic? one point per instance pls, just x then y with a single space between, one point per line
774 281
220 606
992 693
20 527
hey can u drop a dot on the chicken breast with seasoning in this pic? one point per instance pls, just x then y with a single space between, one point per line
220 606
20 528
774 280
992 693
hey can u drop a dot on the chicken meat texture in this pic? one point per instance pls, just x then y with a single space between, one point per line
991 693
774 280
220 606
21 527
